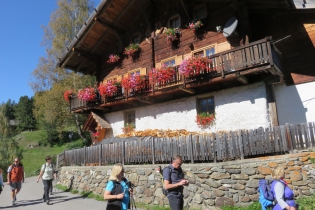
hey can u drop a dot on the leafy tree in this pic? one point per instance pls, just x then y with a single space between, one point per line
23 113
49 81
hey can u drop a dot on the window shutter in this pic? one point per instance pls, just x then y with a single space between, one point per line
223 47
158 65
178 60
143 71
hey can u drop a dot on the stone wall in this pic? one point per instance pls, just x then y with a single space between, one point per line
211 184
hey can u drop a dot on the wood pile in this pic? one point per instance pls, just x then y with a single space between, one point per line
159 133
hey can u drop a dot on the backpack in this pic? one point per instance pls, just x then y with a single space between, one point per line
17 172
164 191
266 196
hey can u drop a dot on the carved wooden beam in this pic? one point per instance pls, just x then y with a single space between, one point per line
191 91
68 58
241 78
88 55
118 34
145 17
145 100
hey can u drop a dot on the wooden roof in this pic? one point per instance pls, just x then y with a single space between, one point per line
95 120
111 19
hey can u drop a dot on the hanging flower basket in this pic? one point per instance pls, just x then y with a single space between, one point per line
161 75
195 25
113 58
108 89
205 119
67 95
136 82
194 66
96 135
131 49
87 94
172 34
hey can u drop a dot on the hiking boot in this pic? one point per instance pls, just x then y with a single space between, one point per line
13 203
51 193
47 202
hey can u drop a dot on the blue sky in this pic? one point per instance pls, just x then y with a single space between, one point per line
21 37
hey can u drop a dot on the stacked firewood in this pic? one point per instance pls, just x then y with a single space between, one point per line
159 133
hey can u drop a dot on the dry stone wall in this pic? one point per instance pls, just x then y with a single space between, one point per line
211 184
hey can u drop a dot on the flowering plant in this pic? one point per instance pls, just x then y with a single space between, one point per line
129 127
67 94
171 34
204 119
131 49
96 134
133 81
87 94
194 25
113 58
194 66
108 89
163 74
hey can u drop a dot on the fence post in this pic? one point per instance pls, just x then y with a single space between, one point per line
100 155
57 161
153 151
84 155
240 144
192 147
288 137
123 153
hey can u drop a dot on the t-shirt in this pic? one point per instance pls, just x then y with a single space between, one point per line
125 201
49 171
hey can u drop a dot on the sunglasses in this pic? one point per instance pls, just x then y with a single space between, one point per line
16 161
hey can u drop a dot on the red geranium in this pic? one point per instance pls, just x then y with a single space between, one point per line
204 119
113 58
194 66
67 94
87 94
161 75
108 89
133 82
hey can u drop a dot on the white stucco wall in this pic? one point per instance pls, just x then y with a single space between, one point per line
295 104
236 108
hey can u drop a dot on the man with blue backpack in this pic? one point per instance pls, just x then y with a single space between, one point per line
276 195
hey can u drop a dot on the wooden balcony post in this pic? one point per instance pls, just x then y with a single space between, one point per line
269 51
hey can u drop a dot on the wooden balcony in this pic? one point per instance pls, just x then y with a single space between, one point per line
243 64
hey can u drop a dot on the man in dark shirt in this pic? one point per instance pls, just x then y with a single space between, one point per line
174 181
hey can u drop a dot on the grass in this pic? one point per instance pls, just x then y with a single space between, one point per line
34 158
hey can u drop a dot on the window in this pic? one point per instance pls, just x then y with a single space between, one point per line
206 51
169 63
206 105
134 73
174 22
135 39
200 11
130 117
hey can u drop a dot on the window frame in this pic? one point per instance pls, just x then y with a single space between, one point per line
173 17
198 102
200 6
126 117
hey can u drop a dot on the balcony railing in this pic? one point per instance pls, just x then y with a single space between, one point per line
256 56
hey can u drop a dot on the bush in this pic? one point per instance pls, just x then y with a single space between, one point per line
306 202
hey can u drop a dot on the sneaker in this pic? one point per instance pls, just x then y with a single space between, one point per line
15 198
51 193
47 202
13 203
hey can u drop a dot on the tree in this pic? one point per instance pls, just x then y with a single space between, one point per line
23 113
50 82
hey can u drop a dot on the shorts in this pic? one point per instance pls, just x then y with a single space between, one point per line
15 185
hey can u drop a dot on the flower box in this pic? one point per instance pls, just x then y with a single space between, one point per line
129 127
87 94
131 49
109 89
132 82
162 75
193 66
113 58
205 119
172 34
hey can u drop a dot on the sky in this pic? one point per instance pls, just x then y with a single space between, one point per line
21 38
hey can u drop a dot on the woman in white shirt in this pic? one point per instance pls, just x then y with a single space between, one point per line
47 174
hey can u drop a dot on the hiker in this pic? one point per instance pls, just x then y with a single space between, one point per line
283 194
1 181
15 177
47 173
118 190
174 183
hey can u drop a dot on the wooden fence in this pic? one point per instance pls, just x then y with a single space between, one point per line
197 148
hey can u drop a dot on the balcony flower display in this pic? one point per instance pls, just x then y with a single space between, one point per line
109 88
194 25
129 127
87 94
172 34
161 75
133 82
67 94
205 119
194 66
113 58
131 49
